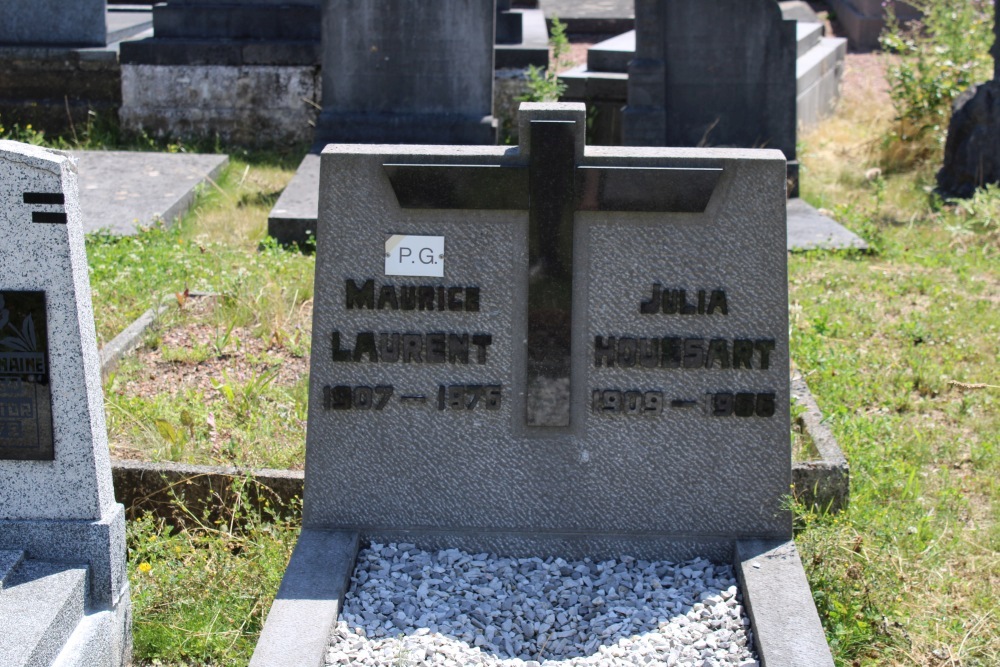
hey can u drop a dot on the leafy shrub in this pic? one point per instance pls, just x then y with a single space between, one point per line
937 58
544 84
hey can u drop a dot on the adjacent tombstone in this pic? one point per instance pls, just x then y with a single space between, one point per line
54 22
245 70
864 20
548 350
404 71
972 150
713 74
59 62
63 589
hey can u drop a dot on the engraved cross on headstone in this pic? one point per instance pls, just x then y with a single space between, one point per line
554 182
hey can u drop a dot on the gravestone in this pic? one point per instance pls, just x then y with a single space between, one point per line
550 350
63 589
713 74
547 349
553 350
59 62
404 71
54 22
972 150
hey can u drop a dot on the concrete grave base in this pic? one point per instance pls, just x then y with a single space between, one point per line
786 627
245 104
808 229
103 638
99 543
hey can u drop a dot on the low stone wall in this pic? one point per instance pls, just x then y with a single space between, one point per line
248 105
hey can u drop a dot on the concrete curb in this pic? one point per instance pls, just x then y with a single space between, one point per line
298 626
142 487
786 627
130 338
823 483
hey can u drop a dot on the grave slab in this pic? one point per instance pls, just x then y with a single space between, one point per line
808 229
293 218
54 22
121 190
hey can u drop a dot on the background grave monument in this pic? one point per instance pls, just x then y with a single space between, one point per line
554 350
740 92
54 22
63 590
404 71
246 70
59 61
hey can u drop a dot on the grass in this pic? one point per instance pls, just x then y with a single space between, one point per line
900 348
239 407
200 593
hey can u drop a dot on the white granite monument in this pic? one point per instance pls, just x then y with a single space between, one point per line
63 587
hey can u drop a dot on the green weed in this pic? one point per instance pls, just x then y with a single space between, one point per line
543 83
941 56
201 589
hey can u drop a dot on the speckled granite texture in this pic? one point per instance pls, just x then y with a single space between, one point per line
52 258
665 485
60 510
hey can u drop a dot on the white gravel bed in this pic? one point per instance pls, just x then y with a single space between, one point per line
411 607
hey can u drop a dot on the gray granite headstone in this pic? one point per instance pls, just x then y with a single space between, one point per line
405 71
56 497
718 73
551 348
53 22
